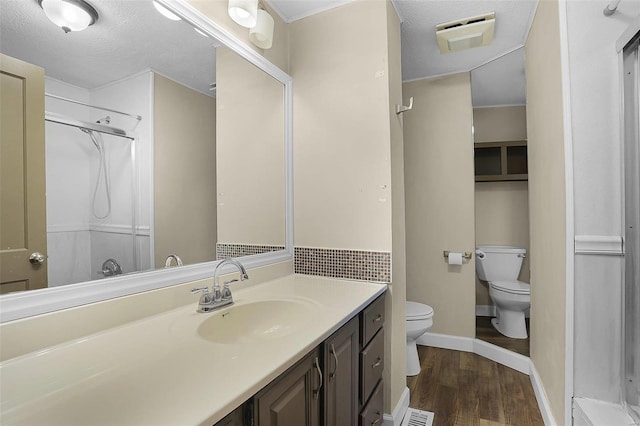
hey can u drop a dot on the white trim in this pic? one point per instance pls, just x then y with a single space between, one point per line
445 341
395 418
70 227
599 244
500 355
36 302
569 225
19 305
485 310
541 397
98 227
628 34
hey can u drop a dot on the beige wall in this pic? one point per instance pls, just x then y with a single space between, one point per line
216 10
439 190
395 345
502 208
547 202
342 167
346 137
184 173
250 153
498 124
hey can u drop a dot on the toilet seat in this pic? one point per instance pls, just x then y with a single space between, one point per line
418 311
513 287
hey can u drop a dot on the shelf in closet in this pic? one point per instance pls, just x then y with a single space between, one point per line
500 161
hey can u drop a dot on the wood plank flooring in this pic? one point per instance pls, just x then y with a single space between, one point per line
485 331
465 389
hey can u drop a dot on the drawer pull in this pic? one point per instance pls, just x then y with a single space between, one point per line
376 421
335 357
316 392
377 319
377 363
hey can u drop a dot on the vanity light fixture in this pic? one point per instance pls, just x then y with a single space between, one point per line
165 12
262 34
70 15
244 12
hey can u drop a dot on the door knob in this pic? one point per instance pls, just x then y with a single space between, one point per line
36 258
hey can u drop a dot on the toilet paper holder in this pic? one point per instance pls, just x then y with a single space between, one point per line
467 255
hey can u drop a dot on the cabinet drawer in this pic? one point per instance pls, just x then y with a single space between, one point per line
371 366
371 414
372 320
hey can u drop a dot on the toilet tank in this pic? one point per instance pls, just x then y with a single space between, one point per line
499 263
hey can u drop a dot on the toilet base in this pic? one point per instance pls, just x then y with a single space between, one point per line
413 361
510 324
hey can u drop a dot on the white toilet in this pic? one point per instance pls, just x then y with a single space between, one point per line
500 267
419 320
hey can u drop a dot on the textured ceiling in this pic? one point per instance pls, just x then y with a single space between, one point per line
500 82
130 36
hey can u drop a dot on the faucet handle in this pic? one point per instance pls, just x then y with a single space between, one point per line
205 297
226 291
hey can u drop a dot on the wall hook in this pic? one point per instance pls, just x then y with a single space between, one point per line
401 108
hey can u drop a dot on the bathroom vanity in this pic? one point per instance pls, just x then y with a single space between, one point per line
330 385
295 350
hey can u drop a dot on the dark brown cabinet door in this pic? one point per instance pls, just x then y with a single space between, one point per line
235 418
341 376
294 398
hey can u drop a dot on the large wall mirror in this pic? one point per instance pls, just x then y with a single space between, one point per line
167 148
498 91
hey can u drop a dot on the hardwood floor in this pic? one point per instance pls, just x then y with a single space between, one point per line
485 331
465 389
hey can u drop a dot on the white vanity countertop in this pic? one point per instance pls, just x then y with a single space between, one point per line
160 370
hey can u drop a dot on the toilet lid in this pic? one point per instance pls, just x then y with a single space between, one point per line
515 287
418 311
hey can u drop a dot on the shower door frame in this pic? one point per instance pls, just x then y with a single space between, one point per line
630 60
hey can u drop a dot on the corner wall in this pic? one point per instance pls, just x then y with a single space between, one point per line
182 114
439 190
547 201
347 149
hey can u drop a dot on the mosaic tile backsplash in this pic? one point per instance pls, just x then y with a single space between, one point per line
224 250
350 264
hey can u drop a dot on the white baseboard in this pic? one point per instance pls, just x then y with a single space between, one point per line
485 310
446 341
395 418
500 355
541 396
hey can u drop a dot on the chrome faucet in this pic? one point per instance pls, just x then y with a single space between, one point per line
218 298
167 263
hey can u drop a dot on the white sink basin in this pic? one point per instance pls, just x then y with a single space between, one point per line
260 320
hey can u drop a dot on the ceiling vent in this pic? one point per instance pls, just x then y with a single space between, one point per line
466 33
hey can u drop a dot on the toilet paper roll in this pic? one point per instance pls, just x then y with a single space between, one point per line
455 258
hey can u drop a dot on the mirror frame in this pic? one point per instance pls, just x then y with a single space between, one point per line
14 306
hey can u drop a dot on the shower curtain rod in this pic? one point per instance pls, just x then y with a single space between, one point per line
137 117
61 119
